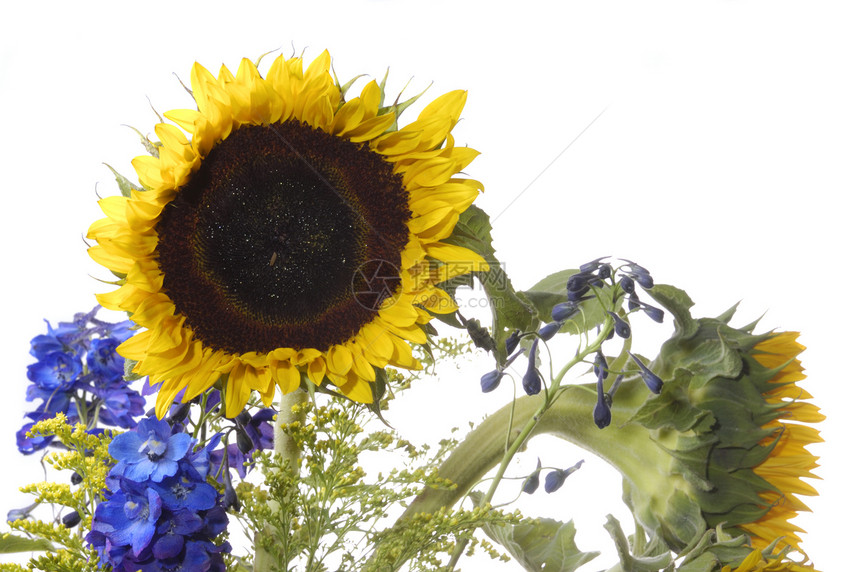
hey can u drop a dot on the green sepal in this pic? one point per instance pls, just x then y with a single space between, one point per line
128 374
672 408
378 388
150 146
125 186
714 549
678 304
693 462
396 107
706 562
541 545
682 529
676 518
345 87
630 562
512 310
732 403
382 83
735 499
449 319
10 543
709 359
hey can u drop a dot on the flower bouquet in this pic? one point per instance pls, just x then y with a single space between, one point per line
290 259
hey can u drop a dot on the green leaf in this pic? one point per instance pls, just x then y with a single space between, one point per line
125 186
549 291
10 543
544 546
512 310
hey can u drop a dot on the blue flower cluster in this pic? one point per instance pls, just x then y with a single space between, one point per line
160 513
253 433
581 287
79 373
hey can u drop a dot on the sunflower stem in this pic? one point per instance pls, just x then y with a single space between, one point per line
289 412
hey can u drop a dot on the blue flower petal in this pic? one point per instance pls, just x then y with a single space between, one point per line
126 447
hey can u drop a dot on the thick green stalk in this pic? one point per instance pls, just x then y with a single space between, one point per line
285 447
627 446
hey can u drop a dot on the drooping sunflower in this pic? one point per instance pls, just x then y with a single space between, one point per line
729 434
724 444
293 233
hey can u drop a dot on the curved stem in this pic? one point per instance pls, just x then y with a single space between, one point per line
627 446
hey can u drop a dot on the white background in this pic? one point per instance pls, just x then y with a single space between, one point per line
726 162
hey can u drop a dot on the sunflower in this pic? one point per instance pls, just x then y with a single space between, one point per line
729 433
724 444
294 234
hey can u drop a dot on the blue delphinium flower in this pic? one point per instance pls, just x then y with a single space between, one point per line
601 368
627 284
79 373
103 360
531 483
555 479
254 433
589 267
564 310
186 489
149 452
513 341
655 314
622 328
129 516
602 412
121 407
654 383
162 462
490 380
531 379
547 332
259 429
173 532
56 371
20 513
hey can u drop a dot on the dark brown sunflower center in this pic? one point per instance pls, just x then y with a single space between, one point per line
265 247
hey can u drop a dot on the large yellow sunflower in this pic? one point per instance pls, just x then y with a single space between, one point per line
293 233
